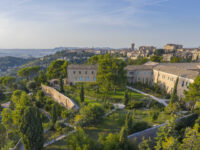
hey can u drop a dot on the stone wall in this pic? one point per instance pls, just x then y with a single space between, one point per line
58 97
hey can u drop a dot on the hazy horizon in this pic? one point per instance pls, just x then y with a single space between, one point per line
36 24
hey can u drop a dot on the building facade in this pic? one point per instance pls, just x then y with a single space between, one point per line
81 73
165 75
140 73
172 47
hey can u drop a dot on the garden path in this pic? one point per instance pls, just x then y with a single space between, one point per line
160 100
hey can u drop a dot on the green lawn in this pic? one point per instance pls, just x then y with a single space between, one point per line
60 145
92 97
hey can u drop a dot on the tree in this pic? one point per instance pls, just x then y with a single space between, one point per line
129 122
2 96
53 115
7 119
28 72
167 136
156 58
110 142
126 98
94 59
91 114
176 59
31 85
8 81
42 78
61 88
111 74
31 129
146 144
191 139
3 135
82 97
80 141
57 69
123 138
174 100
193 93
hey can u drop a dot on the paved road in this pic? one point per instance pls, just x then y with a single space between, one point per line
160 100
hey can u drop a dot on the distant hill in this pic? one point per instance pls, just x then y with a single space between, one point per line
75 57
26 53
9 62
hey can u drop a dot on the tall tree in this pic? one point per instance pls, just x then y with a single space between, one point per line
80 141
129 122
3 135
193 93
61 88
146 144
191 140
57 69
126 98
28 72
167 136
53 115
123 138
2 96
111 74
174 103
82 95
31 129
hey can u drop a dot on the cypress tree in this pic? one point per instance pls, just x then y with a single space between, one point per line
129 122
53 115
126 98
82 97
123 138
61 88
31 129
174 96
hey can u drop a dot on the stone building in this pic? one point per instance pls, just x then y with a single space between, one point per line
133 55
140 73
165 75
146 51
169 48
167 57
81 73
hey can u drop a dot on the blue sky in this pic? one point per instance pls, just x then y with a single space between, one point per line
99 23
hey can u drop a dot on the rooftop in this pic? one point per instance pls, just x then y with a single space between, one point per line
139 67
186 70
82 67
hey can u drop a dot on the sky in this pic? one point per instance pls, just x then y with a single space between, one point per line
98 23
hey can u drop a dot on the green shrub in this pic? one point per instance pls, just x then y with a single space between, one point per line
139 126
135 104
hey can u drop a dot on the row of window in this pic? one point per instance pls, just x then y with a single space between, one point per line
84 78
82 72
169 78
185 84
140 73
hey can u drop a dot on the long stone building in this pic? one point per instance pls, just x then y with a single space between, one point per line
165 75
